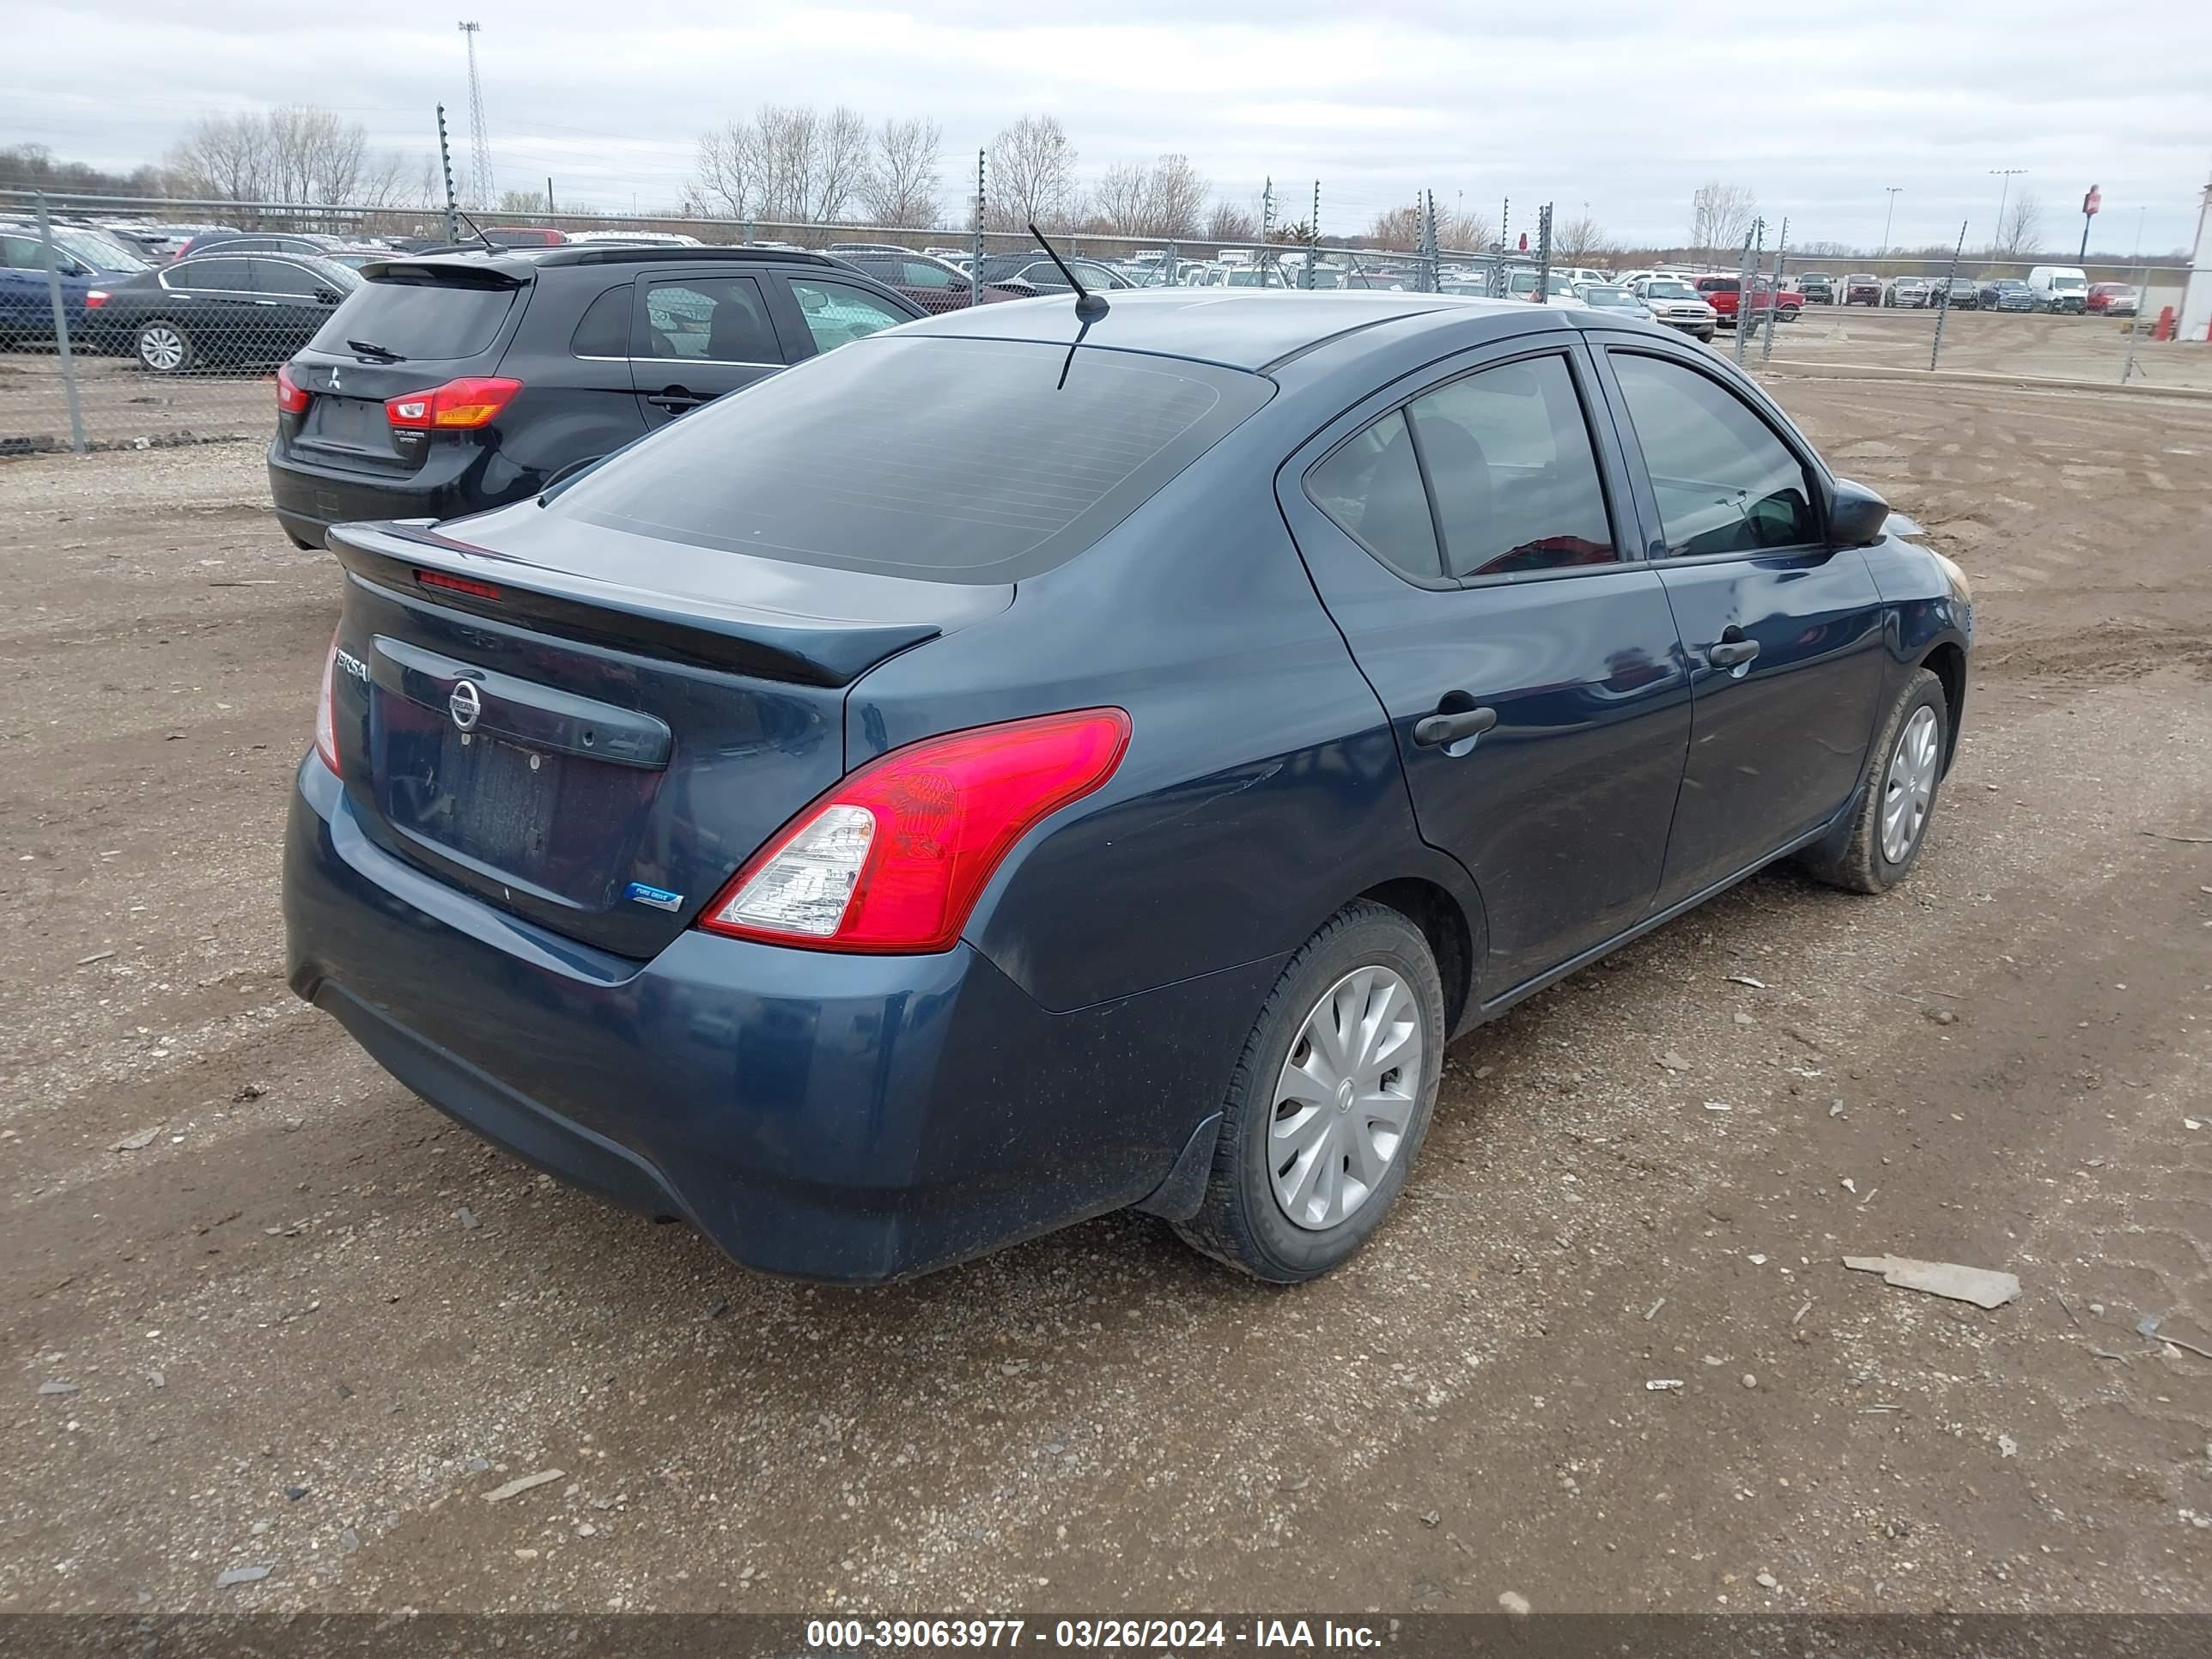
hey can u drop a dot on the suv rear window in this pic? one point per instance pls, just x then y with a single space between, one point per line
845 460
437 320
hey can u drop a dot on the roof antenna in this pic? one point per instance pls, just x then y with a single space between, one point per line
488 242
1087 304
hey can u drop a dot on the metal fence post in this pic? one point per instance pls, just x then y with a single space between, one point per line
1313 241
446 161
61 327
1774 314
975 271
1944 300
1544 254
1743 289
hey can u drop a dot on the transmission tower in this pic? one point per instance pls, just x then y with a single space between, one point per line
480 185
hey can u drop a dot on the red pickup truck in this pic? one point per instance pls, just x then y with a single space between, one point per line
1720 292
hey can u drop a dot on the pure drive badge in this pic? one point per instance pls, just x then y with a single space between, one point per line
659 897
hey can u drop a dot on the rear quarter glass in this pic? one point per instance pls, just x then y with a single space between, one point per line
954 460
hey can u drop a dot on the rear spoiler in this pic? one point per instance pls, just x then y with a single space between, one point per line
416 562
442 272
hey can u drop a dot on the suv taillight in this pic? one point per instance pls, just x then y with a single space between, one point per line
94 298
893 858
291 397
471 401
327 717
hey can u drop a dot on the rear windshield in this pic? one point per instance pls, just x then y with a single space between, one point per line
437 320
950 460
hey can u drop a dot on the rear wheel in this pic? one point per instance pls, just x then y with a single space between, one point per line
1903 771
164 347
1330 1101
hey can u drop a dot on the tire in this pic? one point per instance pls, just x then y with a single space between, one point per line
1705 335
1866 863
162 347
1241 1221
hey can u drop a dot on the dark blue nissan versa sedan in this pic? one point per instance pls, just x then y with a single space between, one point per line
1022 765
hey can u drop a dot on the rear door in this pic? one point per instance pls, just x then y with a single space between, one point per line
1783 636
1462 532
696 334
295 301
215 300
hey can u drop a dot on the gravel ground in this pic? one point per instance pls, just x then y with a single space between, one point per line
266 1308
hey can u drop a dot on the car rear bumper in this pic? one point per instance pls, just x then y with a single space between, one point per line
310 497
844 1118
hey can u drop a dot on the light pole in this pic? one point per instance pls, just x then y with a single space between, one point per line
2008 174
1888 217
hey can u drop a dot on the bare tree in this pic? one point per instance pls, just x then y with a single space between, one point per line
1032 175
224 158
1581 241
1120 202
1398 226
901 183
1175 197
2021 227
301 152
1229 222
789 164
729 181
1721 216
1466 230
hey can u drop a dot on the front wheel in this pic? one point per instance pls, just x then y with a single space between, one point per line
1330 1101
164 347
1903 771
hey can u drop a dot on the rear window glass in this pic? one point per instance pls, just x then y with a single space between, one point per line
437 320
845 460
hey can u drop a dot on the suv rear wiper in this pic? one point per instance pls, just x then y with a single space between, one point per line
370 348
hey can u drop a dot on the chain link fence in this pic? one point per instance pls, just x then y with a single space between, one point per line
104 342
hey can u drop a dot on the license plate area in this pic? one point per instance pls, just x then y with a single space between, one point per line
349 426
562 825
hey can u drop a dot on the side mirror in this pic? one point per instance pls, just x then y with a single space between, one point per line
1856 516
328 297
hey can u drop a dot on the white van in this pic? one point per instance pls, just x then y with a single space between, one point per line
2059 288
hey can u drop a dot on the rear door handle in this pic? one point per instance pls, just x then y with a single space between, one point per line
1431 731
1731 654
676 399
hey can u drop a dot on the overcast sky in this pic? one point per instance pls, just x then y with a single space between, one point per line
1624 106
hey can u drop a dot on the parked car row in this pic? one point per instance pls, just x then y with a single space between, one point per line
2047 288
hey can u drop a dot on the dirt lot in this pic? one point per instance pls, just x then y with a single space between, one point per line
304 1323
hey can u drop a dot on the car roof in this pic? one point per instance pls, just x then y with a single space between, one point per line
1239 328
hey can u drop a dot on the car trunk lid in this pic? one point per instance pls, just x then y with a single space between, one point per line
596 733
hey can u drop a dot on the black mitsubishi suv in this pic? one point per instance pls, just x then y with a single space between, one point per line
453 382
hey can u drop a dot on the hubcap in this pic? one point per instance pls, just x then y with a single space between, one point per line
1911 785
161 348
1345 1098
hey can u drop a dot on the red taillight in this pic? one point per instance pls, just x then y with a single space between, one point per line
327 716
471 401
94 298
475 590
291 397
893 858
